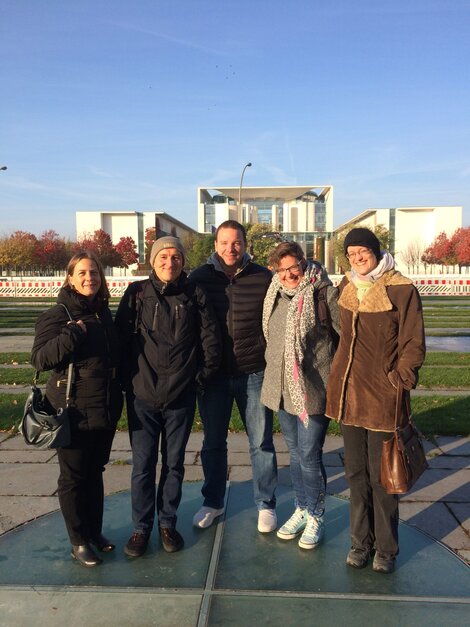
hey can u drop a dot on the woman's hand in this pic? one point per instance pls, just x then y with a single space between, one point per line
79 323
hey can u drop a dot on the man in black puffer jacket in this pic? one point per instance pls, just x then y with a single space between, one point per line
170 344
236 288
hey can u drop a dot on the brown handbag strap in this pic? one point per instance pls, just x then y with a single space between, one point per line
402 405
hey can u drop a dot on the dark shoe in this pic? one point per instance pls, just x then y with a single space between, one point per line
358 558
85 555
172 541
103 544
137 544
383 564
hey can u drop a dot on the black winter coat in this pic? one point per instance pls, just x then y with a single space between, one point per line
96 394
238 304
169 337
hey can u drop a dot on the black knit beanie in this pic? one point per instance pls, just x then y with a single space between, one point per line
363 237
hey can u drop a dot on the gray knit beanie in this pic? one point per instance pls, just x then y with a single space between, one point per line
167 241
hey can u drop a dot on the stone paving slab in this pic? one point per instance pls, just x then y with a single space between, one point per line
333 459
336 483
16 343
461 511
17 510
450 462
121 441
453 446
16 443
28 479
435 519
116 478
441 485
32 456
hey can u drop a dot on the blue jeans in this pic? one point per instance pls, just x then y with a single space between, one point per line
215 407
306 459
147 425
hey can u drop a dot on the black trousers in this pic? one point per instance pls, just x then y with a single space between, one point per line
80 486
373 512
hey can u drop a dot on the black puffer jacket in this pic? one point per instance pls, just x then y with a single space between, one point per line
96 394
238 304
169 337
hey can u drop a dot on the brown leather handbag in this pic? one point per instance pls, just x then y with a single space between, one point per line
403 458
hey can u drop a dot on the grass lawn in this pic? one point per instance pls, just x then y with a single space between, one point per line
443 377
434 415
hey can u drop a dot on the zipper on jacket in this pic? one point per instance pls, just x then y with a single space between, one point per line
155 316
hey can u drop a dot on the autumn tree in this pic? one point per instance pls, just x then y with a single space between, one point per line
127 251
439 251
462 247
51 252
19 251
100 243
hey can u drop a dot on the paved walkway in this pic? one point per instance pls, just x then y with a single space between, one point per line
439 504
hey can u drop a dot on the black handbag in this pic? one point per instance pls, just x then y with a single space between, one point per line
403 458
39 427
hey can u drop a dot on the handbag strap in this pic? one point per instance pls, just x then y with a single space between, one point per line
402 405
69 372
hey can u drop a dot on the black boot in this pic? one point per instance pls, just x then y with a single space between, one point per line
102 543
85 555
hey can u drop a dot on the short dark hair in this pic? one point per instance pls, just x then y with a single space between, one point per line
231 224
283 250
103 292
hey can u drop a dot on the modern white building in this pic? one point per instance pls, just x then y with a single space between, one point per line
412 230
130 224
304 213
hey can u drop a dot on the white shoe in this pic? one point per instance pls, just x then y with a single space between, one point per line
313 532
205 516
267 520
295 525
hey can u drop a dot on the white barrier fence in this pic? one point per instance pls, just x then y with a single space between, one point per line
47 287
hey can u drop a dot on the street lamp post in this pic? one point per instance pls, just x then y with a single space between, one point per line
248 165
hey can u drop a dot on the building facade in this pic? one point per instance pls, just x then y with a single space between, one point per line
301 213
130 224
412 230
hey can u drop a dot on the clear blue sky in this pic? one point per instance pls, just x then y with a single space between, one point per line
120 105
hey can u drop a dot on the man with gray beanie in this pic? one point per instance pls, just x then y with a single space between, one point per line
170 346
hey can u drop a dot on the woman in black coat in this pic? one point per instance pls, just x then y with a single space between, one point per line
90 341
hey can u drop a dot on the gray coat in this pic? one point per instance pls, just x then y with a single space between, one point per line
316 361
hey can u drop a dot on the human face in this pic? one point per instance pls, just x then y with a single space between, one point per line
168 264
230 246
290 271
86 278
362 259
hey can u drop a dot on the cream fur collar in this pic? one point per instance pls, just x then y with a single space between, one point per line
376 298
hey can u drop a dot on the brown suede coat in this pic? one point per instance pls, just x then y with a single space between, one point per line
381 338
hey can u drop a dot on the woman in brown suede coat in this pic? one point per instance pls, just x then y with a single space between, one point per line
382 341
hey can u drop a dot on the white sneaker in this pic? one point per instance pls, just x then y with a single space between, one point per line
205 516
295 525
267 520
313 532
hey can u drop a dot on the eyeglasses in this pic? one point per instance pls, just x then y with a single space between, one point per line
364 252
295 269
